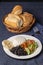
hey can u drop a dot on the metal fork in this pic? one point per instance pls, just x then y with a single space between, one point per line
36 30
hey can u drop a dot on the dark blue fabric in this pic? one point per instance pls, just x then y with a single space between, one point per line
37 10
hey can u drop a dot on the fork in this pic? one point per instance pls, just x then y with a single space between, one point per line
36 30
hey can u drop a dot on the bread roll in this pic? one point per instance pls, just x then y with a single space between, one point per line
27 19
17 9
13 21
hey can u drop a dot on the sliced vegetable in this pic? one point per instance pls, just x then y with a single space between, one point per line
35 44
28 51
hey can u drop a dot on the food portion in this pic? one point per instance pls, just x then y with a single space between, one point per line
17 10
7 44
18 40
18 21
25 48
18 50
21 46
13 21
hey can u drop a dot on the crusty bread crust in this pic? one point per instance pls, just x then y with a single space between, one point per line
17 9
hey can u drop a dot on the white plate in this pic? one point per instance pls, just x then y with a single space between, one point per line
38 50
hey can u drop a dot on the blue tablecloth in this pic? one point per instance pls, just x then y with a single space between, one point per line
32 7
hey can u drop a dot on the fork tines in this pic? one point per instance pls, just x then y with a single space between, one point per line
36 30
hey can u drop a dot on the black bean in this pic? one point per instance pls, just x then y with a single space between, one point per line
18 51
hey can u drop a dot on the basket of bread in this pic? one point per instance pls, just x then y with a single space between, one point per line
18 21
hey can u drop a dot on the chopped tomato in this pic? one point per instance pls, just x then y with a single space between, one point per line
30 41
24 45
